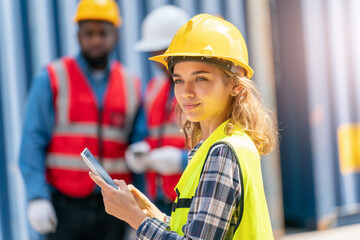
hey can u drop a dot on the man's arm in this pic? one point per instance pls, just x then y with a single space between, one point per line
37 133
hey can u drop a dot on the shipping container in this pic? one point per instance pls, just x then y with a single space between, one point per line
318 98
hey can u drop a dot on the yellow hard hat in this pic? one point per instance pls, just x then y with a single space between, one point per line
104 10
210 39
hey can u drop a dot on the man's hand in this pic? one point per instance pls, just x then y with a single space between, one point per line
165 160
136 157
42 216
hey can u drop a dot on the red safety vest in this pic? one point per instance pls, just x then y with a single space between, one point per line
80 123
163 131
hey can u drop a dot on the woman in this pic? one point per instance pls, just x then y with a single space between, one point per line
220 194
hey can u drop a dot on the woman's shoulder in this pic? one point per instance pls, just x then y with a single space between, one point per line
221 149
222 154
240 142
221 164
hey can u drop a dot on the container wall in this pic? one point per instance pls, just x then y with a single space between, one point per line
291 92
318 89
261 52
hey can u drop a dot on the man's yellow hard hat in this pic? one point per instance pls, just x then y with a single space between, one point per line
103 10
207 37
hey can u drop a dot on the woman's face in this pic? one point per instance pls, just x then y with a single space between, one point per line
201 92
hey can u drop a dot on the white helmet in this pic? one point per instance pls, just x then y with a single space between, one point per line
159 27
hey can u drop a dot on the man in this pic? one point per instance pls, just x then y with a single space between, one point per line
161 155
87 101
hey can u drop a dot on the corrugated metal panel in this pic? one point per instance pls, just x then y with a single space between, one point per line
295 145
354 47
235 13
261 58
4 201
344 81
68 30
213 7
188 5
339 77
26 35
156 3
130 33
319 109
42 33
13 83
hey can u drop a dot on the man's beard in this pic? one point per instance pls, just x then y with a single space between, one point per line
96 62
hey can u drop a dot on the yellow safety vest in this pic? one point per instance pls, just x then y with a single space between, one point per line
255 220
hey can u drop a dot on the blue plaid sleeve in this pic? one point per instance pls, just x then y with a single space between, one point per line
215 209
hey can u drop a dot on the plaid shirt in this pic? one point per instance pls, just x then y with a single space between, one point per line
215 209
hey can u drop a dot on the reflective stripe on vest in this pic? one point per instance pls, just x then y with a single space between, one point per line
163 131
114 166
255 220
77 125
170 129
114 133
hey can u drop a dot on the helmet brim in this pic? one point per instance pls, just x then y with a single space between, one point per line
163 59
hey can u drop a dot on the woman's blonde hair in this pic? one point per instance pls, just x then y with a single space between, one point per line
246 111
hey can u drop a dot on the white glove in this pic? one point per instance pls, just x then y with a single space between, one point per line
42 216
165 160
136 156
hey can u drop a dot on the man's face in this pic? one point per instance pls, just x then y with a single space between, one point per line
97 39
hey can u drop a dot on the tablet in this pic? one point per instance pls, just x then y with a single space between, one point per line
96 167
